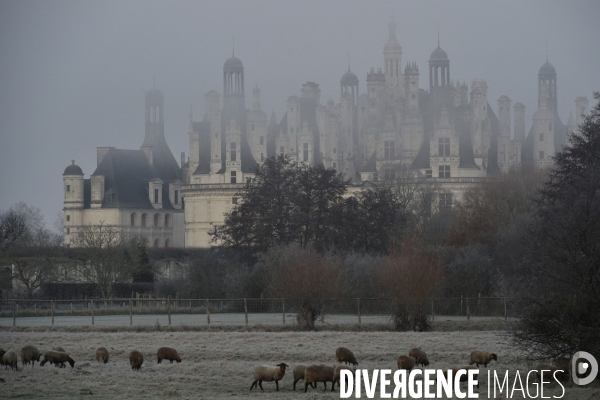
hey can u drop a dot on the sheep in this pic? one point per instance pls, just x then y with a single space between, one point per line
1 355
167 353
482 357
465 376
406 362
319 373
102 355
420 356
342 354
268 373
10 358
136 359
29 354
299 374
57 358
59 349
337 373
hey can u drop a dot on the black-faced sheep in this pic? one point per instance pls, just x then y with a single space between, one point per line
482 357
10 359
420 356
29 354
57 358
102 355
167 353
2 351
299 374
59 349
406 362
464 377
268 373
344 355
319 373
136 359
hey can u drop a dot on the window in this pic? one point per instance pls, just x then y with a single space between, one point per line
541 137
233 177
155 243
445 201
334 165
334 150
444 147
428 173
262 140
144 219
108 197
232 154
541 155
132 219
176 196
155 195
156 220
68 231
444 171
305 151
281 150
168 223
234 200
389 150
68 188
68 217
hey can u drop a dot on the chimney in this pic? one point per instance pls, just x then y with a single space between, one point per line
101 153
182 159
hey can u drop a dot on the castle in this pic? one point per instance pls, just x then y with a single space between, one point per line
447 134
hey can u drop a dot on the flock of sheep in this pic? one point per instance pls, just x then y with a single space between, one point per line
58 356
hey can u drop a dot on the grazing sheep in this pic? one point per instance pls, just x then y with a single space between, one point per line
268 373
420 356
29 354
342 354
136 359
299 374
319 373
59 349
336 372
465 377
1 355
102 355
167 353
57 358
10 358
406 362
482 357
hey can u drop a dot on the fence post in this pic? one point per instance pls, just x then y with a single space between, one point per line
130 312
479 304
92 307
461 305
468 310
207 312
246 311
432 311
283 310
52 310
358 310
505 313
14 313
169 308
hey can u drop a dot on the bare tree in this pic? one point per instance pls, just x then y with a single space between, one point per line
106 261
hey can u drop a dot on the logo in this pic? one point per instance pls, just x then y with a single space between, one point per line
584 368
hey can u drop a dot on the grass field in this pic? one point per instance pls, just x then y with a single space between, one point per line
219 364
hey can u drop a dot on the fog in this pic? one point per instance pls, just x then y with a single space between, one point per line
73 74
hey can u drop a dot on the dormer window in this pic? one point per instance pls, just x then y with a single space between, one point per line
233 153
156 193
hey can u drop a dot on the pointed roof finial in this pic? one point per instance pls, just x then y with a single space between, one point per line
233 48
392 27
438 33
72 162
546 49
154 80
348 61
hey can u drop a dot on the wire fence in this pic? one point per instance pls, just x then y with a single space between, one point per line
167 311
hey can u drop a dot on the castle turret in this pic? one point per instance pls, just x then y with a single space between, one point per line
519 110
478 119
214 117
233 91
543 129
349 84
73 200
233 164
256 128
504 117
392 58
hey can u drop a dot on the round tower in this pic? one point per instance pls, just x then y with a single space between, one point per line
155 124
349 84
392 57
547 77
73 200
439 68
233 92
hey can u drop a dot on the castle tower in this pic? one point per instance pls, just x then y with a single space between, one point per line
519 110
504 117
547 77
347 136
412 124
233 164
256 128
392 58
439 68
293 121
155 124
444 147
376 93
478 118
543 129
214 117
233 91
349 84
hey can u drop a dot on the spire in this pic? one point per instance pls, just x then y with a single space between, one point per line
546 49
438 34
348 62
154 81
392 29
233 48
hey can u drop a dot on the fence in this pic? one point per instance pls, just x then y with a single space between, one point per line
167 311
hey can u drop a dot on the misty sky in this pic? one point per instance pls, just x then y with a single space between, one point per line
73 74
